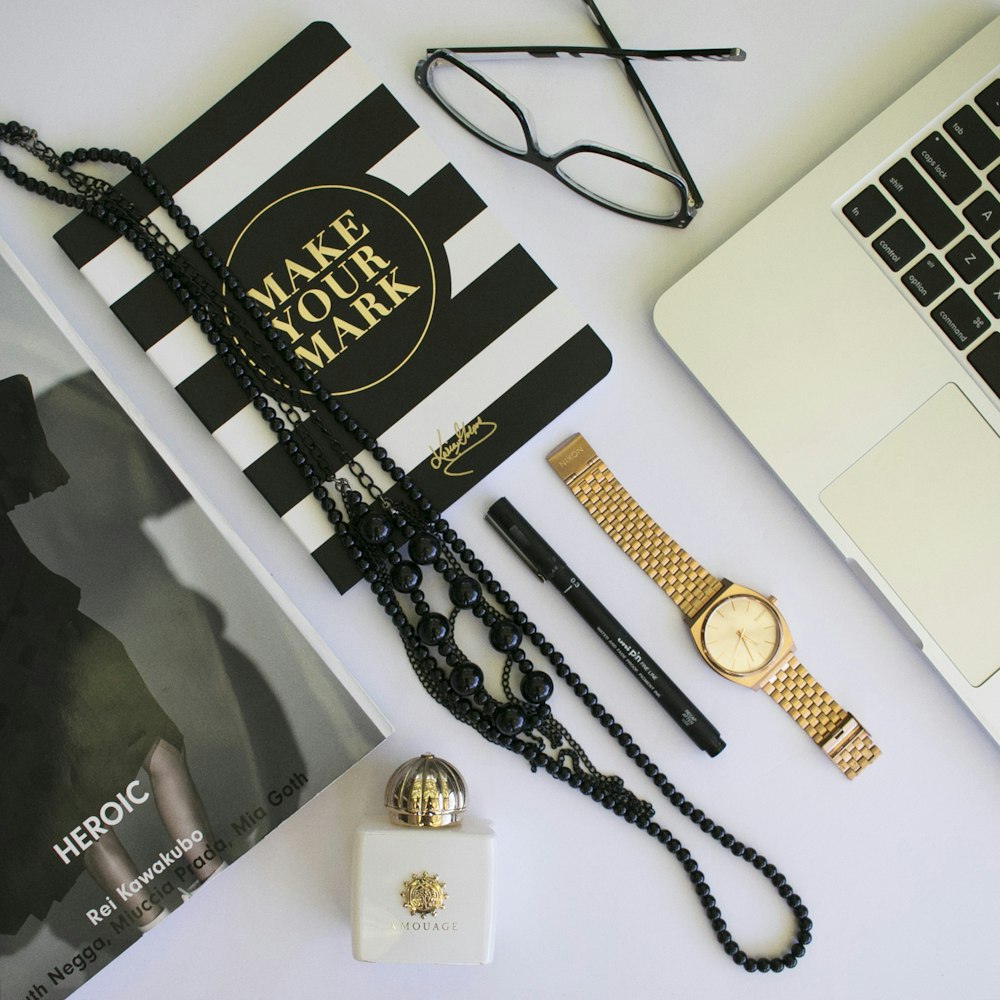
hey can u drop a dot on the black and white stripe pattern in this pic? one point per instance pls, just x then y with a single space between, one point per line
504 347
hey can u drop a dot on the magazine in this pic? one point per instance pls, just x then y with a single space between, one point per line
161 710
380 264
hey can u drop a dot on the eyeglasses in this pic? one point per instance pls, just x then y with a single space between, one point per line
627 184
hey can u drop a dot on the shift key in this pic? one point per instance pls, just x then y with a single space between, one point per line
922 203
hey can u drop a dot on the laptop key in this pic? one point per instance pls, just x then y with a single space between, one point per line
977 140
927 280
960 319
969 259
984 214
898 245
916 197
989 101
988 292
986 360
945 167
868 210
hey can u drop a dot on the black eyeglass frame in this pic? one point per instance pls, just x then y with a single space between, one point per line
690 198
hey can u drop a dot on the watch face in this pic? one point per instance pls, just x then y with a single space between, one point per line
741 634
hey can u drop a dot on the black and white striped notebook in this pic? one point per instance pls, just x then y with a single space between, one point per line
383 265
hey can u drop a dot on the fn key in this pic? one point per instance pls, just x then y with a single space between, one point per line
868 210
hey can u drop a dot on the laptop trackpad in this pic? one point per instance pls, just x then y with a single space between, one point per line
924 507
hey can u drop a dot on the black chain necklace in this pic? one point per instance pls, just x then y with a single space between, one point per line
396 537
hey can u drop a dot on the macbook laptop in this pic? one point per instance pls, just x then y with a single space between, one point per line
851 331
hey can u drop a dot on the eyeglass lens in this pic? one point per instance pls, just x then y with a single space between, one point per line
481 110
621 183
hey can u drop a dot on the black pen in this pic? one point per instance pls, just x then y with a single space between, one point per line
547 565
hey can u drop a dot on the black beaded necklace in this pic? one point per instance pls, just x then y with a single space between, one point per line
396 537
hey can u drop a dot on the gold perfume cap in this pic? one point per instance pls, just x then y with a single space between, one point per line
426 791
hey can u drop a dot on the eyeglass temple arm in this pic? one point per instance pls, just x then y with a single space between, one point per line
647 105
587 51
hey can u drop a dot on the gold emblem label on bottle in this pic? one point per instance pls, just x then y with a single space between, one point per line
423 894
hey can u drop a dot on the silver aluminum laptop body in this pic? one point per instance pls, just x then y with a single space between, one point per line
841 348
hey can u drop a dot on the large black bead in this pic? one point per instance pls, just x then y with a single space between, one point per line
406 577
536 687
375 527
466 679
464 592
432 629
505 636
510 720
424 548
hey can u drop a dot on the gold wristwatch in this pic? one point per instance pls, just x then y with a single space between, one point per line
739 632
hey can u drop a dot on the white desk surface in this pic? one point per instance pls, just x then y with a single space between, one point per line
900 869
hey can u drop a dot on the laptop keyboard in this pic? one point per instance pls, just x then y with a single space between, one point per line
930 218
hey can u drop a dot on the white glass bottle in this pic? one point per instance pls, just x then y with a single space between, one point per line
423 875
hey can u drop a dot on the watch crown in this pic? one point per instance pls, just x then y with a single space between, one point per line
773 600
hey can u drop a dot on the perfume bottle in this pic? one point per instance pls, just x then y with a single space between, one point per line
423 874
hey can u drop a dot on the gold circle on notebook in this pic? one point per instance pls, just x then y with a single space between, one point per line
345 276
